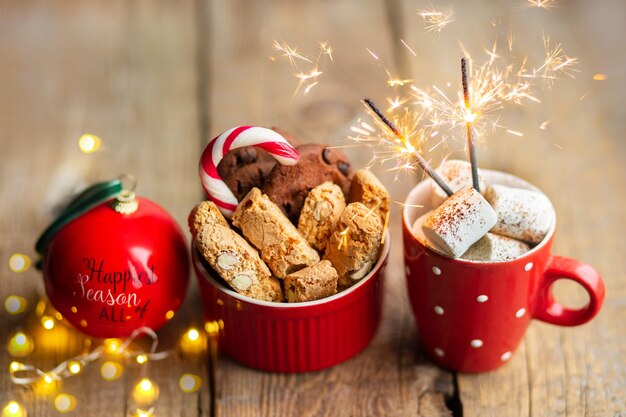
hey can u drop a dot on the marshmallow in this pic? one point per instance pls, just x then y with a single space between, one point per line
459 222
522 214
456 174
419 233
494 248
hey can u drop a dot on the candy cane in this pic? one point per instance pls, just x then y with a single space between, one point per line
237 137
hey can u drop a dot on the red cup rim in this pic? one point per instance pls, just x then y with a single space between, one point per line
491 177
384 251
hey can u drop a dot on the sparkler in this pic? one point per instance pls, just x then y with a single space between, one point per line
469 118
406 146
491 89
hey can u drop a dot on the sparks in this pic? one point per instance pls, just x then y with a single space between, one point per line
556 63
307 77
491 90
539 4
408 47
290 53
436 20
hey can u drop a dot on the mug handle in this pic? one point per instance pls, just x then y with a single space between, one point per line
549 310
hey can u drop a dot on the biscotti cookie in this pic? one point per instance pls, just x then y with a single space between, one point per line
311 283
353 247
203 213
366 188
235 260
281 246
320 212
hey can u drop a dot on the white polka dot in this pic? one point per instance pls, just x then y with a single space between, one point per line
482 298
408 271
505 356
520 313
439 310
476 343
528 266
436 270
439 352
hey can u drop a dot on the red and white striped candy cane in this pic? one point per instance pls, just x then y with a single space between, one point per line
237 137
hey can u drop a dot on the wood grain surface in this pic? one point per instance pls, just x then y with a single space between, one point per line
158 79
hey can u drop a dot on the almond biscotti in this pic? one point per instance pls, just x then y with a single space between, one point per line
353 247
280 244
311 283
320 213
231 256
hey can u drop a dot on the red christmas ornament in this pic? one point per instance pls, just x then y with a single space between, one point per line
112 267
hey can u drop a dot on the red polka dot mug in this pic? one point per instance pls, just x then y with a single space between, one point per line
471 316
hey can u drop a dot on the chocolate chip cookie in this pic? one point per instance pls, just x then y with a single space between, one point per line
288 186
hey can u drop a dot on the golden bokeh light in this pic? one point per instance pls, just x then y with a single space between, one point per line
89 143
14 304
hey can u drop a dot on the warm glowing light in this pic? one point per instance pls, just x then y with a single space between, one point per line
15 366
143 413
18 262
58 316
83 323
14 304
14 409
64 403
539 4
47 322
469 117
599 77
89 143
112 346
48 385
212 328
193 334
20 345
169 315
145 392
141 359
41 308
189 383
491 89
110 371
74 367
192 342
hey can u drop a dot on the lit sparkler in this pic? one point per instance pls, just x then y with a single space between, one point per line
436 20
491 88
400 142
307 77
469 118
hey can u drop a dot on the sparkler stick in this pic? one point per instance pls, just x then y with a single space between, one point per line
469 118
415 153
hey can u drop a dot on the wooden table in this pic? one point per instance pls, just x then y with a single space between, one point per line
158 79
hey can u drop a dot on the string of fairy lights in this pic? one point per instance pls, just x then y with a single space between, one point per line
45 331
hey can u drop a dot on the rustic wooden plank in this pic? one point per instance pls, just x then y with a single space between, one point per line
557 371
127 72
391 377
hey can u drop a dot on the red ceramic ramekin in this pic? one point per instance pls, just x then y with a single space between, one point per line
471 316
298 337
